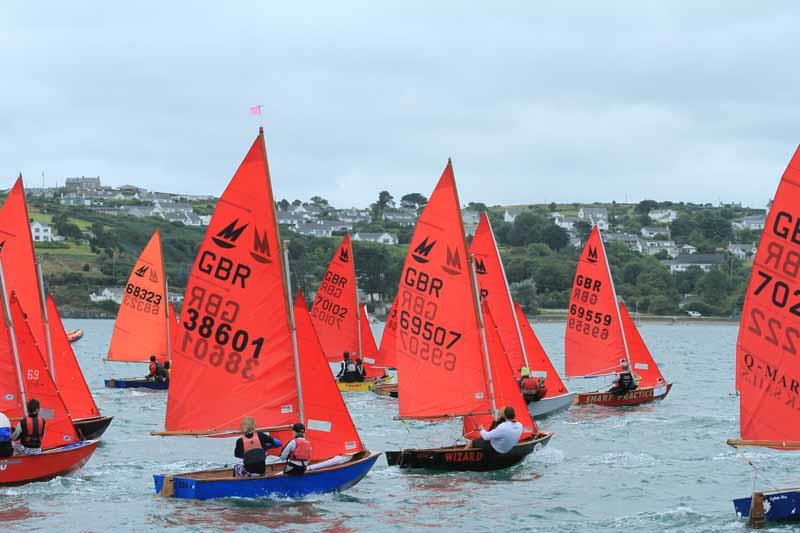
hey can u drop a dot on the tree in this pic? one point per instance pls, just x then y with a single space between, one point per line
319 201
297 203
413 200
714 227
713 287
682 227
284 205
480 207
582 230
385 200
525 293
645 206
552 206
555 237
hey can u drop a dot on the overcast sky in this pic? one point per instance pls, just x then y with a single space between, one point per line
583 101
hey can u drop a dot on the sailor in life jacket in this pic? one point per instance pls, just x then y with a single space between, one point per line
297 452
6 449
156 370
347 370
29 433
251 448
361 372
533 389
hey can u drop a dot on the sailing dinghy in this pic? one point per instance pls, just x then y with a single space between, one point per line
24 375
243 348
25 279
338 318
767 365
601 335
75 335
522 347
143 325
449 364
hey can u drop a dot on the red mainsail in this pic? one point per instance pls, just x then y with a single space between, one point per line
540 364
371 358
335 309
642 361
494 289
387 353
767 358
594 342
233 353
69 377
438 343
10 393
141 326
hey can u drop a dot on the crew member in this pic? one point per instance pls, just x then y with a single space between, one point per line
625 381
29 433
156 369
251 449
502 438
361 372
167 368
297 452
6 449
347 370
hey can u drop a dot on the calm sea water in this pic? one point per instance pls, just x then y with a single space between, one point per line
661 467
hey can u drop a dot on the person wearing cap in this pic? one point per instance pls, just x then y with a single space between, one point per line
6 449
297 452
251 448
625 381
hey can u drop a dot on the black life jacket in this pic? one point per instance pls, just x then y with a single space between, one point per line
625 380
32 431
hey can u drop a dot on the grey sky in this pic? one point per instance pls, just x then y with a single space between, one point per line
580 102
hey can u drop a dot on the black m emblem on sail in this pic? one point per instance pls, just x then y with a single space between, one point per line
480 266
422 250
344 255
141 271
592 256
228 235
453 265
261 251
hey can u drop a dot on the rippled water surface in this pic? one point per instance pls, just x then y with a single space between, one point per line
661 467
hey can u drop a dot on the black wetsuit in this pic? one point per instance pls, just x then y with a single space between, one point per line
625 383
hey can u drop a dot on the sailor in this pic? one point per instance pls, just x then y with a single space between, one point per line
625 381
29 433
361 372
167 368
502 438
156 369
251 449
347 370
297 452
533 389
6 449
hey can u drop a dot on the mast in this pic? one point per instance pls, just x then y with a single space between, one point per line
293 328
166 310
42 300
482 327
358 321
616 302
510 299
13 336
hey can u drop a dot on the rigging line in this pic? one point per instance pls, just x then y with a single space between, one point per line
756 470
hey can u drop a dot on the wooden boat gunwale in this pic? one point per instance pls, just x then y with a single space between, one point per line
87 447
100 421
620 401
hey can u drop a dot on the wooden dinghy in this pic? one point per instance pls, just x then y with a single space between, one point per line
601 337
62 451
273 370
220 483
462 459
522 347
145 320
450 360
24 278
767 364
92 428
75 335
386 389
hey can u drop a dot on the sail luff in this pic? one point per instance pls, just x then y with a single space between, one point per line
13 336
616 299
482 327
293 330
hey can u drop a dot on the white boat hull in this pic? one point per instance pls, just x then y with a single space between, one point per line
551 405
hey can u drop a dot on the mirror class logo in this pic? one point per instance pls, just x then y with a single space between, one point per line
422 251
228 235
344 255
261 251
592 256
480 266
453 264
141 271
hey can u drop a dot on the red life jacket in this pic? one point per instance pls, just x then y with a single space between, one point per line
530 384
302 450
251 443
32 432
153 368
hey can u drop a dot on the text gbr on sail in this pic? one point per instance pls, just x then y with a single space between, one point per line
786 228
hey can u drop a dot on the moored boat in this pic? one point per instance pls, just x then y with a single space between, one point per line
278 382
74 335
601 337
766 352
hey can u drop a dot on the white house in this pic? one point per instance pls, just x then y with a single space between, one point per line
662 216
511 214
290 218
567 223
630 240
107 295
315 230
742 251
704 261
687 249
402 217
593 214
753 222
651 232
653 247
381 238
41 232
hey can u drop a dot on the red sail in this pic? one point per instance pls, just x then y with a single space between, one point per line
39 384
141 327
594 344
506 388
540 364
388 350
233 352
494 288
438 343
372 361
69 378
767 358
643 363
335 312
328 423
10 395
19 260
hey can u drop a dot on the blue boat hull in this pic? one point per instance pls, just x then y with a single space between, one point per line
114 383
779 506
333 479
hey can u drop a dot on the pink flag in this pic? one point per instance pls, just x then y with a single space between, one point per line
255 110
